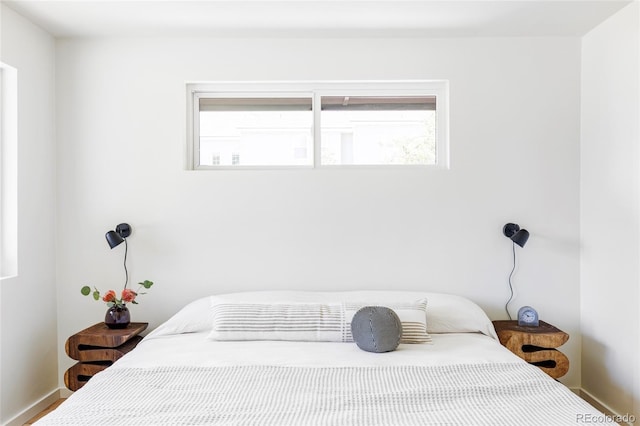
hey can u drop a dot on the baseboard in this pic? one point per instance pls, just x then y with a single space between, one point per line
622 419
65 393
35 408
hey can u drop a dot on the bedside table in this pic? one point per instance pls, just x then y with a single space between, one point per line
536 345
97 347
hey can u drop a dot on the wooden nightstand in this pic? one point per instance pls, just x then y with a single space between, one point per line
536 345
97 347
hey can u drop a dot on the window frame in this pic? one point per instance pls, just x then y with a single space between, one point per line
194 115
316 90
9 261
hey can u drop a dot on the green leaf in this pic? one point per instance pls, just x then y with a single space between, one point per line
96 295
111 304
134 302
146 284
85 290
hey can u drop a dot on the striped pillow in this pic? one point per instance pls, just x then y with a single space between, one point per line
280 321
313 322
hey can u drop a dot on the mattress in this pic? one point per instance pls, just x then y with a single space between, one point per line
180 375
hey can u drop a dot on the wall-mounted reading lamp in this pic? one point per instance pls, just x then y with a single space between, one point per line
517 236
115 238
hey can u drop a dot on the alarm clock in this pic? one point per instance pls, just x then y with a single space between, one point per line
528 317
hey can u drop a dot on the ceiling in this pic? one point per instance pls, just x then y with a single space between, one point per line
316 18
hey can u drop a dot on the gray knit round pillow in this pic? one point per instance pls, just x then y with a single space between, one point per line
376 329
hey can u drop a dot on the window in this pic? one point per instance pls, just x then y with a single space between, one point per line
8 171
235 158
324 124
366 130
263 130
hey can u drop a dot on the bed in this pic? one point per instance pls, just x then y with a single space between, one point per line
252 359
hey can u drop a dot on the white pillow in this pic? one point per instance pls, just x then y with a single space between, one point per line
449 313
296 321
446 313
195 317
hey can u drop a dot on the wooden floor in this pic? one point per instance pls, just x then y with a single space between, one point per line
45 411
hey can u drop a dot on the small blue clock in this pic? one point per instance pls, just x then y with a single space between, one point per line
528 317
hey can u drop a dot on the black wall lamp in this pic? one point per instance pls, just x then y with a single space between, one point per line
515 234
520 237
115 238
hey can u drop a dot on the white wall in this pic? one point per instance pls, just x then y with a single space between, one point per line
514 157
610 213
29 344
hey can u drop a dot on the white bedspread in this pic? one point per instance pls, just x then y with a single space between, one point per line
488 394
464 379
195 349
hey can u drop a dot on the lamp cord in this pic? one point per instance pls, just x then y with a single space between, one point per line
126 272
506 306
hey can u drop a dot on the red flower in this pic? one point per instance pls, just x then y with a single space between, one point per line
128 295
110 296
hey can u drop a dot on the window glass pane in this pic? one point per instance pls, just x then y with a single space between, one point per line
256 132
8 171
378 130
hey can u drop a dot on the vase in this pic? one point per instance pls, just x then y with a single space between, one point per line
117 317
